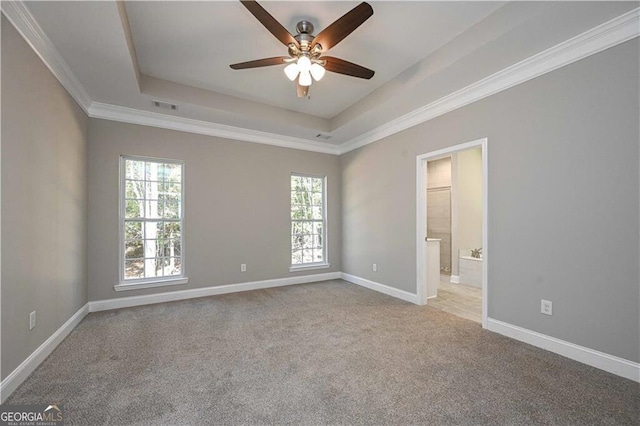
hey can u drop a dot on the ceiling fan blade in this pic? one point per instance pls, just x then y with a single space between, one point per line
341 66
269 22
303 91
344 26
278 60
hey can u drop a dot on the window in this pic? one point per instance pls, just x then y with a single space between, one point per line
308 222
151 221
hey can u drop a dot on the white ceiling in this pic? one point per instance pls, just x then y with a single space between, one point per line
194 43
175 51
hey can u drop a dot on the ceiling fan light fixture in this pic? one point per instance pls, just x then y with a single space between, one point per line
305 78
317 71
292 71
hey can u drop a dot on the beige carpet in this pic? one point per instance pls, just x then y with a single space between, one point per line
326 353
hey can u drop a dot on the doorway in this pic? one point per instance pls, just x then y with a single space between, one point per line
452 190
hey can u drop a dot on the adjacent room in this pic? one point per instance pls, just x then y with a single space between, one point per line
320 212
455 228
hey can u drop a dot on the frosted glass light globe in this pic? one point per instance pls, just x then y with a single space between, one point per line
304 64
317 71
305 78
292 71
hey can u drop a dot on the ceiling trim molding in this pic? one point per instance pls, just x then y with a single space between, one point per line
24 22
164 121
597 39
20 17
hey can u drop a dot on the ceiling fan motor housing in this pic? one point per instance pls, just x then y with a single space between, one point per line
305 35
304 27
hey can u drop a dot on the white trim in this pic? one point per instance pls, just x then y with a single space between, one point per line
381 288
17 376
24 22
604 36
302 268
455 279
134 284
172 122
421 218
325 250
612 364
150 284
485 233
18 14
597 39
149 299
421 229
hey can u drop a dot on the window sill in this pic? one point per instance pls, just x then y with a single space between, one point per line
150 284
309 267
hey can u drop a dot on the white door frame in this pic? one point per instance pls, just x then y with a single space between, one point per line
421 218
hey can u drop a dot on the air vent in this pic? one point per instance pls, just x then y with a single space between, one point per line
165 105
323 136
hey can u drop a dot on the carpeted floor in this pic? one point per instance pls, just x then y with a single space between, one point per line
325 353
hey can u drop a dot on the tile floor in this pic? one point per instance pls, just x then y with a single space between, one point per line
458 299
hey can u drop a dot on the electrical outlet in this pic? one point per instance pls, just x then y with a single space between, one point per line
546 307
32 320
243 267
375 267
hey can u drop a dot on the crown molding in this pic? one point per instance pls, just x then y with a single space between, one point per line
20 17
604 36
165 121
597 39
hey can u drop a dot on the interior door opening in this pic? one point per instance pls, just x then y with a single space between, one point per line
452 230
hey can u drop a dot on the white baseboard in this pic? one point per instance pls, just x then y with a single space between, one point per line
455 279
17 376
170 296
612 364
382 288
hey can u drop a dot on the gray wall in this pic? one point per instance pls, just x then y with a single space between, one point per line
44 136
237 202
563 201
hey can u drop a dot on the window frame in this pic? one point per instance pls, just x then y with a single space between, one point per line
325 246
138 283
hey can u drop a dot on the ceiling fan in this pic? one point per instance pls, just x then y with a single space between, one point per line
306 61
